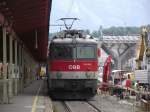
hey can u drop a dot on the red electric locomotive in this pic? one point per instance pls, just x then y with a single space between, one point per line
73 65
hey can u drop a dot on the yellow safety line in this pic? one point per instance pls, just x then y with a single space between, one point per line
35 100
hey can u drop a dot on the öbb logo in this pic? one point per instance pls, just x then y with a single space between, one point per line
74 67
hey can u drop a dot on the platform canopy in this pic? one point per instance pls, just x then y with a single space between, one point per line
30 21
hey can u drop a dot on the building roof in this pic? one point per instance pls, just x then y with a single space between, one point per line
30 20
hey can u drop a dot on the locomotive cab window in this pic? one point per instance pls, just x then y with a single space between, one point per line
61 52
86 52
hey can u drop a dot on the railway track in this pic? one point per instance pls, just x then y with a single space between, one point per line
100 104
75 106
68 109
61 106
96 108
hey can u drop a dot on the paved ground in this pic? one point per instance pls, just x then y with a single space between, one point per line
33 99
109 103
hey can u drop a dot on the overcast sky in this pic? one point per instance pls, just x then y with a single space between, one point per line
93 13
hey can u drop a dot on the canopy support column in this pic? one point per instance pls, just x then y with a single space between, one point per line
5 92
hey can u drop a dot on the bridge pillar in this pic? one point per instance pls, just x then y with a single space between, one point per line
119 63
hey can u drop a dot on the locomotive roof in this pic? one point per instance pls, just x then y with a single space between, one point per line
77 40
73 36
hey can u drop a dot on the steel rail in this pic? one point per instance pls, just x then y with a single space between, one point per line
68 109
92 105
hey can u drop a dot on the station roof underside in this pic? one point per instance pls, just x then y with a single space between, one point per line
30 21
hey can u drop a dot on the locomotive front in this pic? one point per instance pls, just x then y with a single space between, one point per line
73 66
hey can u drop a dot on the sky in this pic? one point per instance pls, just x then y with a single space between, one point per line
96 13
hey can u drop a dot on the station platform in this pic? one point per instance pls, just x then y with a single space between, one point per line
33 99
